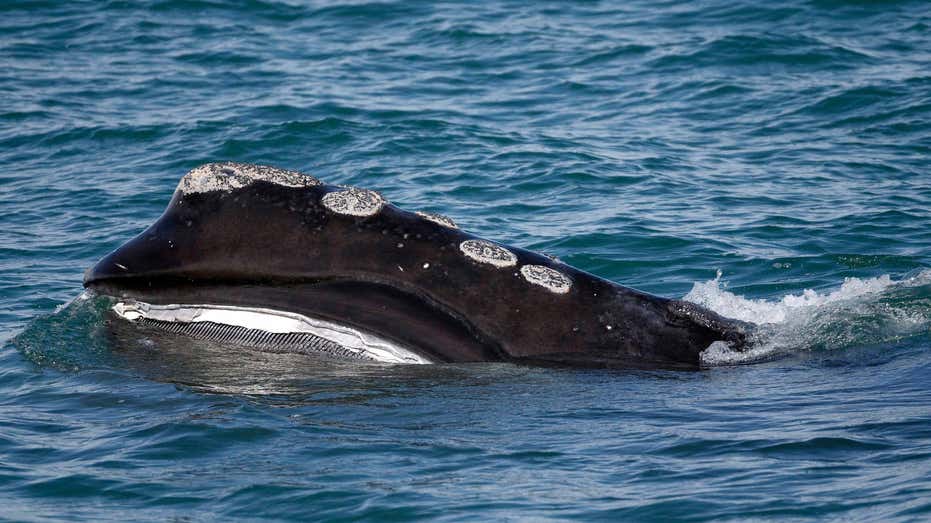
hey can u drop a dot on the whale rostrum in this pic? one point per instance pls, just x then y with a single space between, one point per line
277 259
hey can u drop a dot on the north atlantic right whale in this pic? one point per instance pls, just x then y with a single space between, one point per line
279 260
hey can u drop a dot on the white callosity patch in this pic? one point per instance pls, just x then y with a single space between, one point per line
486 252
354 202
365 344
445 221
551 279
227 176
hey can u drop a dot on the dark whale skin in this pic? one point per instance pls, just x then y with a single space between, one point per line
399 275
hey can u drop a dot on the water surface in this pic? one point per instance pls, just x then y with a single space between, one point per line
771 163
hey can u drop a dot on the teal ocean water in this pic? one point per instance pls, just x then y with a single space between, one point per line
770 162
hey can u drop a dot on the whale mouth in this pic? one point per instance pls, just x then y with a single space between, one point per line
266 329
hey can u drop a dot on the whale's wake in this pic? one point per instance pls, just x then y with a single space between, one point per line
860 312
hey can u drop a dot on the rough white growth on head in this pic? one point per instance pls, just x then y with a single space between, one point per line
354 202
551 279
486 252
226 176
445 221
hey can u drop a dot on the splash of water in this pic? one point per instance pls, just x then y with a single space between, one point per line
859 312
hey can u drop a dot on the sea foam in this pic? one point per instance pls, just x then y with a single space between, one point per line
861 311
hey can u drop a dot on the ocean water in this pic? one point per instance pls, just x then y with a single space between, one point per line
770 162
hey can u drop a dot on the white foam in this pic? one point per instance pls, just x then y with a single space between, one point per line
858 312
712 294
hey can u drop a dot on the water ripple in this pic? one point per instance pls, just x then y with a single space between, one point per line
767 161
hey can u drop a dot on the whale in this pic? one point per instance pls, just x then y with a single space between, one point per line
279 260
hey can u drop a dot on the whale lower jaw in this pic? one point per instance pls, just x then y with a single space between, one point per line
267 329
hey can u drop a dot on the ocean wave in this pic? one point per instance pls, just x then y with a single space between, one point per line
756 51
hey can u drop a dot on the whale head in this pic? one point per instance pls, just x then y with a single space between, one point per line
291 261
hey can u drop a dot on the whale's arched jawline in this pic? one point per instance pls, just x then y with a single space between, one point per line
411 320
